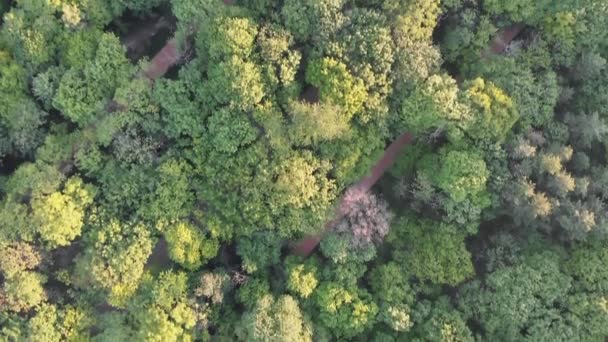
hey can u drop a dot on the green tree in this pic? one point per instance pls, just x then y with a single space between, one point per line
313 123
229 130
423 60
173 198
18 257
585 129
114 260
313 19
113 327
141 5
339 248
229 37
439 321
234 82
347 313
369 51
275 320
44 86
461 174
84 91
259 251
33 180
299 184
124 189
254 289
302 278
31 31
493 112
515 298
391 290
434 104
188 245
214 286
468 35
585 268
182 114
43 326
77 99
24 290
416 20
161 309
336 85
79 47
435 254
59 216
22 126
193 14
533 93
21 121
390 284
280 61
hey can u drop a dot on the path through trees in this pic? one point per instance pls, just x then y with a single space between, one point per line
305 246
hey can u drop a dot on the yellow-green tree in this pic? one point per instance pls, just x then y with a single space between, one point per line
59 216
188 245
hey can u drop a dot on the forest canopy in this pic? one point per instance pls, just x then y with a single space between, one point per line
303 170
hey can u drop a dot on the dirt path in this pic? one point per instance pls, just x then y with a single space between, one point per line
143 35
306 246
167 57
504 37
387 160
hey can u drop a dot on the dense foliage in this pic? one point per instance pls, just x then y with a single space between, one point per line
167 208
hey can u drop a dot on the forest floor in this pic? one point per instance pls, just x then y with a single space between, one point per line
167 57
145 36
500 43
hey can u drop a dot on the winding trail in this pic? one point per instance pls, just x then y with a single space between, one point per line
306 245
